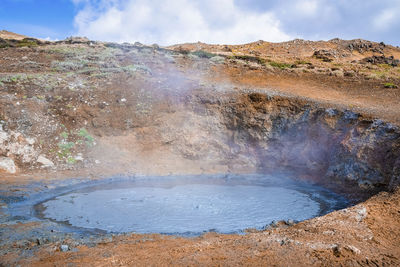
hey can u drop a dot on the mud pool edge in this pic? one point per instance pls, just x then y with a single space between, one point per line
27 209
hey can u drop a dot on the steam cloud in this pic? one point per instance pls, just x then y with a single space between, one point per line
236 21
175 21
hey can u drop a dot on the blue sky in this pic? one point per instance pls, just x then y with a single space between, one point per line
40 18
213 21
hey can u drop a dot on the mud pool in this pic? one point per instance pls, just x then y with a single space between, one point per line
191 205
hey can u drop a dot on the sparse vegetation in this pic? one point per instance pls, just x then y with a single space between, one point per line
4 44
64 135
134 68
68 65
302 62
257 60
14 78
72 141
27 42
380 74
281 65
89 140
390 85
385 66
203 54
64 150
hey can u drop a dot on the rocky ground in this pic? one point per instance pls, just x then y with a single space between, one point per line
329 111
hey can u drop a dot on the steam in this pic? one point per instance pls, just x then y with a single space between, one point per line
181 122
175 21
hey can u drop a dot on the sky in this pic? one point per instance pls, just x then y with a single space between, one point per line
167 22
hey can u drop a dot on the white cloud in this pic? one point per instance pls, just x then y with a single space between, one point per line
385 19
176 21
306 8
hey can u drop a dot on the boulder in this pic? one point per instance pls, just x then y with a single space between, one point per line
324 55
7 165
44 161
381 60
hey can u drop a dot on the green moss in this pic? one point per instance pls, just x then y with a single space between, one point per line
257 60
302 62
390 85
203 54
281 65
27 42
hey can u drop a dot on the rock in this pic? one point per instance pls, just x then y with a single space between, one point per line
226 49
337 250
350 115
4 43
290 222
64 248
349 73
7 165
217 59
44 161
30 141
337 73
395 179
381 60
41 241
324 55
77 40
353 249
79 157
361 213
331 112
360 46
138 44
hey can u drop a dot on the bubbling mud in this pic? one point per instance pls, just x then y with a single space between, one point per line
192 205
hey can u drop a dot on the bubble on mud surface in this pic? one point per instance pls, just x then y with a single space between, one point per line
190 207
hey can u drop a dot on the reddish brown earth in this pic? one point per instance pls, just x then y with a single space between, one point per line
47 94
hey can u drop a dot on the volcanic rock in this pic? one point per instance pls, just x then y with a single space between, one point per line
7 165
381 60
324 55
44 161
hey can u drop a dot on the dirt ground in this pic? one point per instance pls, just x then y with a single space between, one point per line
110 116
